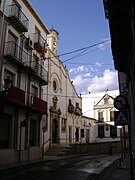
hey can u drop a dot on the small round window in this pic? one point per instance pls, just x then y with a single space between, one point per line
54 86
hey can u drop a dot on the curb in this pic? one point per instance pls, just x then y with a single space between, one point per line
106 172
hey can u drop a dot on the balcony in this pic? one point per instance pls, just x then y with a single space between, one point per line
71 109
38 104
39 41
15 96
18 56
78 111
17 18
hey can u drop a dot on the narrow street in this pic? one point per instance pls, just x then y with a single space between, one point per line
80 168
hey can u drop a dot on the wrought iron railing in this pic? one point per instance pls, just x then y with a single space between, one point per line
39 39
15 11
18 54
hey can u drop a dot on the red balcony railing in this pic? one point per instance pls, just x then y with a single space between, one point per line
40 105
15 96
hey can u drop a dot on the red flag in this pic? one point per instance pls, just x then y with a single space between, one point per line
43 51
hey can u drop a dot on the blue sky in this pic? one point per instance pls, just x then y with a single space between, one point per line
81 24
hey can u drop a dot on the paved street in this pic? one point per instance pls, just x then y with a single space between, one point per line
80 168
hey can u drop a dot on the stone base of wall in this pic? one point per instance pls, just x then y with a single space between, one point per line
10 156
97 148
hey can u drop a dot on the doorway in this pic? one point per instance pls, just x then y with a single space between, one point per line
70 134
77 135
87 136
55 131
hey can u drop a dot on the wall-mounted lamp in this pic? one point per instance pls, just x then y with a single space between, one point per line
7 83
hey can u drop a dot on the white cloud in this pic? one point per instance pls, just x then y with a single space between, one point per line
87 75
98 64
85 68
78 69
84 83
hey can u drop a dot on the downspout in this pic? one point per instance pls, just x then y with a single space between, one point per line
1 41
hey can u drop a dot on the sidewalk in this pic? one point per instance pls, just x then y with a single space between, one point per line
119 170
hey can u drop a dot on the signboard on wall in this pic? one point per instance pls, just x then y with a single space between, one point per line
121 102
121 118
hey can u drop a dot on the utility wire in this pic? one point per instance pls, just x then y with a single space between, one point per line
71 52
95 49
69 96
86 48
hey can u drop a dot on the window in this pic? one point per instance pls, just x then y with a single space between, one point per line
34 93
77 105
33 139
6 131
100 117
70 102
54 86
101 132
105 100
45 122
12 37
10 75
35 63
37 35
113 131
63 124
112 116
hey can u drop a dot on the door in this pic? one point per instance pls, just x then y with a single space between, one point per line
55 131
87 136
70 134
77 134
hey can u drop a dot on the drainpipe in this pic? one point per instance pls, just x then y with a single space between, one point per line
1 40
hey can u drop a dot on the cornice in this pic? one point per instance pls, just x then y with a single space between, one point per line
29 6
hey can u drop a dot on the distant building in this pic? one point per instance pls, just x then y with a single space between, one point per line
102 109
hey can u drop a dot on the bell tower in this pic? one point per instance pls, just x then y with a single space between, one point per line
53 41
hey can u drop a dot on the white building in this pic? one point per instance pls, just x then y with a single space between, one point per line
23 35
100 106
65 121
41 107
